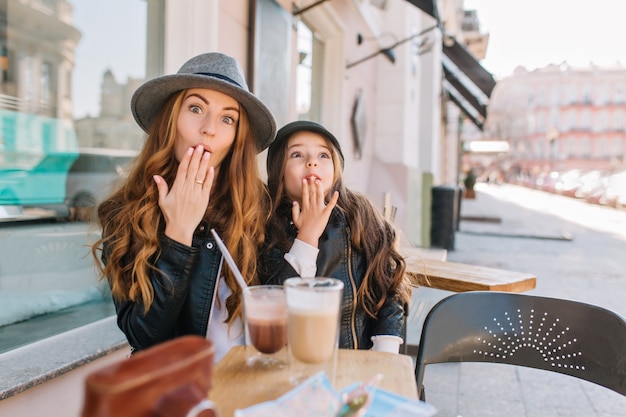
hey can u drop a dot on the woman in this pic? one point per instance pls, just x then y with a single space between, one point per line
196 171
319 227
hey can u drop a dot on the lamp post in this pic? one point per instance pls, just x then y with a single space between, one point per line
388 52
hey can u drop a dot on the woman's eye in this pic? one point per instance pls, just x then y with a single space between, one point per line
228 120
195 109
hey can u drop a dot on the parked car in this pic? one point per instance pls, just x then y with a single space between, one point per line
589 183
567 182
595 194
546 181
614 194
93 176
41 184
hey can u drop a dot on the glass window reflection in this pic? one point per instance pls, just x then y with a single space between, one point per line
67 137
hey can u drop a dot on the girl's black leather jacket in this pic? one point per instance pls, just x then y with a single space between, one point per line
338 259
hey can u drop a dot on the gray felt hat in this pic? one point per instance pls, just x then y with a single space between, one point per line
211 70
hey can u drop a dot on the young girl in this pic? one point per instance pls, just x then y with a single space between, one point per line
320 228
196 171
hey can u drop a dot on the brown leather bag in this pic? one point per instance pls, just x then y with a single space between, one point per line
171 379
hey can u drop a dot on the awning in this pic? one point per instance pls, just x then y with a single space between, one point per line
466 62
468 109
427 6
468 84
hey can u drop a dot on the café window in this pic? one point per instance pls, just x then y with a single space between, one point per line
309 73
48 98
45 83
67 137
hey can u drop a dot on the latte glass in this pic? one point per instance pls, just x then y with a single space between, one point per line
313 310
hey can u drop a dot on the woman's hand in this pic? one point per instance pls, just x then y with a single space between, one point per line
311 219
184 205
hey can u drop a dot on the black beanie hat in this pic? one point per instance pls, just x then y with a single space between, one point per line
285 132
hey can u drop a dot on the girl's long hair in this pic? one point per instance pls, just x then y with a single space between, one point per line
132 221
371 234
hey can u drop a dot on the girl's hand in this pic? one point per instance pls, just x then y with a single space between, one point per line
311 219
184 205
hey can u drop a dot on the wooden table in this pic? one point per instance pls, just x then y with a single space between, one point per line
235 385
430 273
458 277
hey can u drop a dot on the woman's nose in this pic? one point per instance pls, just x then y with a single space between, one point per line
208 127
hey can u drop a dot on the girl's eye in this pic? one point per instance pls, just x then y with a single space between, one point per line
325 155
296 154
195 109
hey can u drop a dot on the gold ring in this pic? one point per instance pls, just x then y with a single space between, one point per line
199 182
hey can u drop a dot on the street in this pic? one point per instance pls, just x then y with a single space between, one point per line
578 252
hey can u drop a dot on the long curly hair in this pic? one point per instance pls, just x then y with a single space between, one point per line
132 222
371 234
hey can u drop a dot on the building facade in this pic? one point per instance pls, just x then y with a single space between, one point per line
560 118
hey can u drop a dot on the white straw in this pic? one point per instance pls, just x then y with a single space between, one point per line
231 262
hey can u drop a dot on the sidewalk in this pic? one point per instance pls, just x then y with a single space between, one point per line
576 252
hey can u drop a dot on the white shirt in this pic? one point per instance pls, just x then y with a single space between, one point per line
218 332
302 257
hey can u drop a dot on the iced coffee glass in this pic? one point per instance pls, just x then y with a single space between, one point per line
313 310
265 312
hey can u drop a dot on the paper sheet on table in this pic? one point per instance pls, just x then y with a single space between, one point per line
316 398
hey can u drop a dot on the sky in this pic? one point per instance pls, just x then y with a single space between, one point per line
113 37
536 33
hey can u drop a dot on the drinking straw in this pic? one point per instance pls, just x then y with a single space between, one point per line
231 262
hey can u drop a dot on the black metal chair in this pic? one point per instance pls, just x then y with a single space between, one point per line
564 336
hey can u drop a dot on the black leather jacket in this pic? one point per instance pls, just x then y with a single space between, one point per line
183 295
338 259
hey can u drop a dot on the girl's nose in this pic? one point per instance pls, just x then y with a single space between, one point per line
311 163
